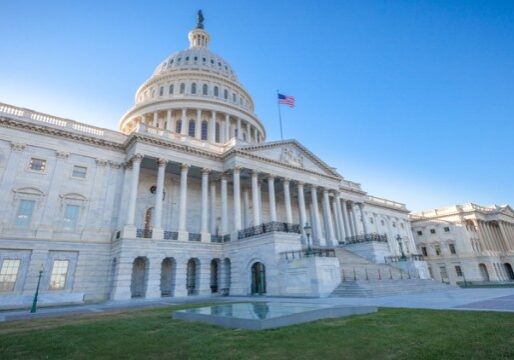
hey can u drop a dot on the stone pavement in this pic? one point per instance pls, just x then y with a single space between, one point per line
489 299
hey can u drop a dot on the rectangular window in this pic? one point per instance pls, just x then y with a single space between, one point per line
37 164
59 272
79 172
438 250
420 232
452 249
432 231
71 214
446 229
458 270
424 251
8 274
430 272
24 215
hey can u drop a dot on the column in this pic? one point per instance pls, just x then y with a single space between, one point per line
317 220
182 232
157 232
353 219
224 205
212 127
169 125
364 224
255 199
301 207
336 210
346 218
226 129
329 224
183 129
204 231
287 202
239 129
198 125
246 208
271 192
155 122
237 199
213 207
131 213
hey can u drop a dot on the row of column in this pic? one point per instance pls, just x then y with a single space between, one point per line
499 238
228 128
339 216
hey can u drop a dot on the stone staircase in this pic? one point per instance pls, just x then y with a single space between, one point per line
363 278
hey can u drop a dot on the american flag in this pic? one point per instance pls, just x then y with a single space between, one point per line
286 100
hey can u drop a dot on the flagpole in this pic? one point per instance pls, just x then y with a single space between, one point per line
280 118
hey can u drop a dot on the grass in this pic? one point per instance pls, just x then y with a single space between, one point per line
152 334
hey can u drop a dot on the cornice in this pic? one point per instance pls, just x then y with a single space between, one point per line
59 133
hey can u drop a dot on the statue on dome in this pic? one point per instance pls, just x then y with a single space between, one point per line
199 24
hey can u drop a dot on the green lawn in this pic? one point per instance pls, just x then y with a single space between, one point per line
152 334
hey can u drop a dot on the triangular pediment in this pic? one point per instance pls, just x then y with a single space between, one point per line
507 210
292 153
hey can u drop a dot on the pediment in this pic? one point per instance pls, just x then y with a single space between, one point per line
507 210
292 153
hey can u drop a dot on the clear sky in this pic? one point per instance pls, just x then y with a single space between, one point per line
412 99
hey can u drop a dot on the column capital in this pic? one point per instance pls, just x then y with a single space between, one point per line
162 162
62 154
300 183
237 169
101 162
271 177
18 146
137 158
184 167
206 170
286 180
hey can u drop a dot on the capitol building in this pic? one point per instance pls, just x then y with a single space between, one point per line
187 198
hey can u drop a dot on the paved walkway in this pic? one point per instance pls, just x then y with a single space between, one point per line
490 299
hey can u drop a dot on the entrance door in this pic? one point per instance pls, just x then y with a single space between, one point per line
138 285
258 278
484 272
510 272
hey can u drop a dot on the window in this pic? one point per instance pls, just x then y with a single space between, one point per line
178 126
191 130
419 232
171 89
79 172
424 251
371 221
225 94
204 59
458 270
382 222
217 135
182 88
402 226
216 91
37 164
437 250
8 274
444 273
234 97
205 89
193 88
71 215
24 215
161 91
59 272
430 272
394 224
452 249
205 128
446 229
195 58
187 58
432 231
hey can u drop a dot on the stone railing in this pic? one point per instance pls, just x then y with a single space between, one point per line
66 124
351 185
144 233
364 238
273 226
170 235
185 139
386 203
412 257
298 254
194 237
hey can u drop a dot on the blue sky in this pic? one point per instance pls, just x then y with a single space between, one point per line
413 99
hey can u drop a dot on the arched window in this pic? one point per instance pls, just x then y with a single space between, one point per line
191 131
182 88
258 137
205 89
216 91
244 136
225 94
161 91
171 89
217 132
193 88
178 126
205 128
